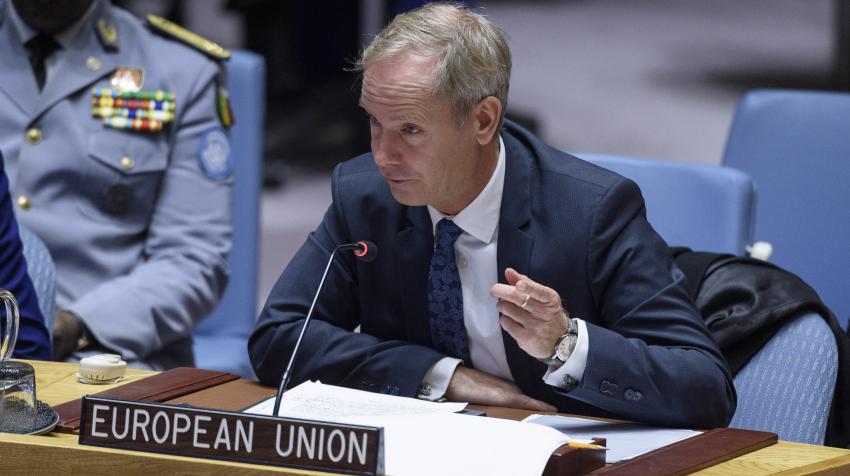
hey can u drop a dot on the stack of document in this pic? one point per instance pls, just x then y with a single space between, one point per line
427 438
624 440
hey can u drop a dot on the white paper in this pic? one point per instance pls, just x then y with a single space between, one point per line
624 440
452 444
316 401
427 438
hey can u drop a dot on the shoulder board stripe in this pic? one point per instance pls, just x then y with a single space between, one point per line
194 40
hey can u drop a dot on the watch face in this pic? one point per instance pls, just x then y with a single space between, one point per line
566 346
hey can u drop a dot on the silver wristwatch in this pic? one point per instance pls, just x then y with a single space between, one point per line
564 346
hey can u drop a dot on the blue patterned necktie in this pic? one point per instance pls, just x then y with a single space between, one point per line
445 298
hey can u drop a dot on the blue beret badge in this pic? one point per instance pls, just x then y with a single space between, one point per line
214 154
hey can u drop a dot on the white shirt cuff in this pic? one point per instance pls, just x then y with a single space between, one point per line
568 375
437 379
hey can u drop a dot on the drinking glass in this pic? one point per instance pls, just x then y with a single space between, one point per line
18 404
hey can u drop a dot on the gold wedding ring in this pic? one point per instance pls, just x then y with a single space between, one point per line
525 302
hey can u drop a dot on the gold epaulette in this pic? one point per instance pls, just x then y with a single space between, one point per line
209 48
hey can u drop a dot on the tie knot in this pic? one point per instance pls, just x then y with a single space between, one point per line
38 49
448 230
41 46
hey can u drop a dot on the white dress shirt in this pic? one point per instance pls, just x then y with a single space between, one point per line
475 252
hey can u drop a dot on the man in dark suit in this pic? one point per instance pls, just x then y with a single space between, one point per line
509 273
33 340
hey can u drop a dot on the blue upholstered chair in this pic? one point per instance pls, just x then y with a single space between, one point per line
703 207
42 273
220 340
788 385
796 147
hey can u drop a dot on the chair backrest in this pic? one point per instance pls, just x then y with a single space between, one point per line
703 207
796 147
42 273
787 387
221 338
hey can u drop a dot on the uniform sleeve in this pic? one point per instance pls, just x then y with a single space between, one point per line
33 338
183 271
652 359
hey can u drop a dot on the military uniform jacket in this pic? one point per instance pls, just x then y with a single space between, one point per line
139 228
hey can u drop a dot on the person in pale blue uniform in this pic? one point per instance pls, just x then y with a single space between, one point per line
114 133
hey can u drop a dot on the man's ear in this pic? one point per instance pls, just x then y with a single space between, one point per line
485 118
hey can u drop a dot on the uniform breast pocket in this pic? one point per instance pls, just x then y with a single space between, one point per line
123 177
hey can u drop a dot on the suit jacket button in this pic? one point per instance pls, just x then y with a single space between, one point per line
629 394
390 390
608 388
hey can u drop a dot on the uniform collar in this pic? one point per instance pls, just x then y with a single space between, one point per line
67 37
24 32
481 217
97 17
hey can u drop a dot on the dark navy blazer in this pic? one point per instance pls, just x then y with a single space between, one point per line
565 223
33 339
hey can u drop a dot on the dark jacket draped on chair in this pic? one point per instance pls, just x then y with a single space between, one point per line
745 301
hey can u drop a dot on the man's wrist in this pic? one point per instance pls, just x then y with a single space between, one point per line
564 346
79 334
436 381
569 375
85 339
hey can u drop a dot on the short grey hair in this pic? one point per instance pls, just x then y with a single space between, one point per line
473 58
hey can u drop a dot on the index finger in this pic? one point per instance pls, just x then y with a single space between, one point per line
508 293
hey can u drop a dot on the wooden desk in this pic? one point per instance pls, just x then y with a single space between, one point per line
60 454
785 458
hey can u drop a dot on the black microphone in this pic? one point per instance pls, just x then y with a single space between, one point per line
364 250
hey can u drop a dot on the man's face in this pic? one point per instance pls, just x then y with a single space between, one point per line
420 151
51 16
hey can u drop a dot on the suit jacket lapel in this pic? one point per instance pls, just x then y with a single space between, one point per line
515 244
416 246
17 80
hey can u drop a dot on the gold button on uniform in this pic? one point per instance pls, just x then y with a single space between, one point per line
127 163
93 63
24 202
33 135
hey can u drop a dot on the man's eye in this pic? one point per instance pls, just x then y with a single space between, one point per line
411 129
372 120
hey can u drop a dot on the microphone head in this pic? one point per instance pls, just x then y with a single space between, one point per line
366 250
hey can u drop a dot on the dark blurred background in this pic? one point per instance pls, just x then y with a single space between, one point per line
657 79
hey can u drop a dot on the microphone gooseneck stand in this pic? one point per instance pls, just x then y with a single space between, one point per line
364 250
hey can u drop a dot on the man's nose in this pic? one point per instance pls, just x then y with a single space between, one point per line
383 149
